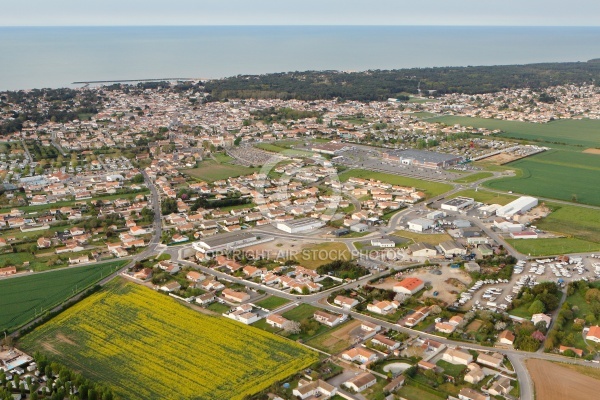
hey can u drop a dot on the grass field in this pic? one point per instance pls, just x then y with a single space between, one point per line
583 133
557 174
271 303
412 392
431 238
145 345
451 369
580 222
473 177
24 297
431 189
302 312
485 196
222 168
553 246
336 340
323 253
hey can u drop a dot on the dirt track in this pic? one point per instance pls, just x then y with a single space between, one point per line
592 151
555 382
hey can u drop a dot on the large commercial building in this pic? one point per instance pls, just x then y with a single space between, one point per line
458 203
300 225
422 158
229 241
520 205
331 148
420 224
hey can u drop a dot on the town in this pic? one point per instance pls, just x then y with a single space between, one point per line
369 235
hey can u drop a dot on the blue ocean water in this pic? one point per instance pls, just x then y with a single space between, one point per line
34 57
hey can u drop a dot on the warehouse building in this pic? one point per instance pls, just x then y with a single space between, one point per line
422 158
520 205
458 203
229 241
300 225
420 224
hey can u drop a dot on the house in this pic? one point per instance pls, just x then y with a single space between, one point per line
380 340
206 298
426 365
170 287
578 352
475 374
232 295
593 334
251 271
417 316
361 382
143 274
79 260
360 355
243 314
409 286
276 321
395 384
501 387
195 276
457 356
137 231
75 231
445 327
383 307
315 389
43 243
470 394
535 318
506 337
456 320
169 267
328 319
367 330
493 360
422 250
345 302
8 271
212 285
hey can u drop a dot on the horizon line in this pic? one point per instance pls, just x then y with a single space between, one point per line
297 25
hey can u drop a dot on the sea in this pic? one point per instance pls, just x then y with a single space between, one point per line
36 57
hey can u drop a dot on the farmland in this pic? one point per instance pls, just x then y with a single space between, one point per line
550 380
323 253
431 189
166 349
562 175
580 222
553 246
25 297
219 168
581 133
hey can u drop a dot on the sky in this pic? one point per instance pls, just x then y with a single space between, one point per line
300 12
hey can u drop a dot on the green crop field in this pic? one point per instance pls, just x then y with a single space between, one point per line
25 297
580 222
553 246
486 197
473 177
581 133
210 170
431 189
146 345
288 151
556 174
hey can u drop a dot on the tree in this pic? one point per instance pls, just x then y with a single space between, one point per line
592 295
541 326
237 141
292 327
537 307
500 326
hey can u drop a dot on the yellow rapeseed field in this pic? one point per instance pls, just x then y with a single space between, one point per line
147 346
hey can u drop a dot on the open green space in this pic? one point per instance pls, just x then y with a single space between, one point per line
333 341
288 151
557 174
322 253
300 313
483 196
431 238
413 392
168 350
582 133
451 369
211 170
431 189
473 177
271 303
579 222
23 298
218 307
553 246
